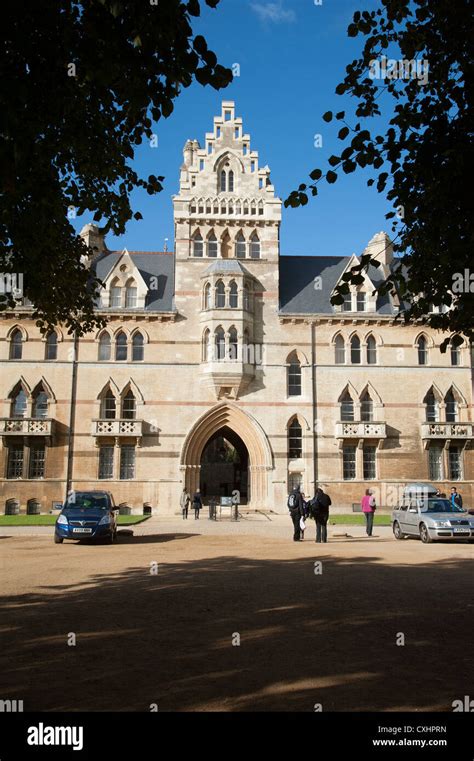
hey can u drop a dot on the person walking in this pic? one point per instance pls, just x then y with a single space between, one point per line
456 498
295 506
321 504
197 504
184 501
368 508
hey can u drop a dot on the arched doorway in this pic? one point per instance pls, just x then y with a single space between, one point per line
224 466
242 430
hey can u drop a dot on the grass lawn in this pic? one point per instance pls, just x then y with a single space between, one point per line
357 519
50 520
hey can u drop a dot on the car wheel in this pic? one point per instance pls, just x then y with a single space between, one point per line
397 532
58 539
425 534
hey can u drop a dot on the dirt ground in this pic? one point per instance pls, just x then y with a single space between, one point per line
171 638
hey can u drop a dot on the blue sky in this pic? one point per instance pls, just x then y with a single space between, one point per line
292 54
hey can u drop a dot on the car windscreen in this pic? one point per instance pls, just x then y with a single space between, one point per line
84 500
440 506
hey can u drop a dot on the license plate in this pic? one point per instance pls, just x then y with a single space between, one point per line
82 531
461 530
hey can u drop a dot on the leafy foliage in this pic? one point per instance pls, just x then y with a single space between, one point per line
426 152
81 82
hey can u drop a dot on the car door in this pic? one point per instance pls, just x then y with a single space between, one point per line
412 518
401 516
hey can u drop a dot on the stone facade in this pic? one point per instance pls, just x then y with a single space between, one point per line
225 340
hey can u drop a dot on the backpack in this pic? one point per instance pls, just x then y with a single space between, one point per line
292 501
324 500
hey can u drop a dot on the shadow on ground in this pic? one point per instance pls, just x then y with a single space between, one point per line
305 638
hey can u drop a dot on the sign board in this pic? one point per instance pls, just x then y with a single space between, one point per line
226 501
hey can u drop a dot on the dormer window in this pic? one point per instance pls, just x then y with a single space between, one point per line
347 303
115 295
361 301
130 295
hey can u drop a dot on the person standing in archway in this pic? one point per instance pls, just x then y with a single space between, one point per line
197 504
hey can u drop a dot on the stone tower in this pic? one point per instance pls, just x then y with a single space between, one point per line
227 223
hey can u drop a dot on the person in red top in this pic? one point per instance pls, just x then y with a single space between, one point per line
368 508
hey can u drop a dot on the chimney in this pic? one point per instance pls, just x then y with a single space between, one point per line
94 237
380 247
188 153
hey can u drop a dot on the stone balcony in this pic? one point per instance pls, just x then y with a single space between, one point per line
26 426
117 427
459 432
360 430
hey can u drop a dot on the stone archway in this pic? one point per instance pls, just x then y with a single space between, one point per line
229 416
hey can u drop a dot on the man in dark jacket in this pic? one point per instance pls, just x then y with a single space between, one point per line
197 504
295 506
456 498
320 505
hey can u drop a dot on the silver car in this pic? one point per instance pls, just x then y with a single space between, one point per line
431 518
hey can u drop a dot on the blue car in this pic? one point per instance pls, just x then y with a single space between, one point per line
87 515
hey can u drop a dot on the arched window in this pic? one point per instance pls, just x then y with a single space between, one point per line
233 345
366 408
371 351
220 294
108 406
254 246
16 344
340 350
347 407
51 347
207 296
129 406
104 347
231 181
432 407
138 345
294 376
295 440
121 347
355 350
198 245
131 295
451 407
40 404
240 246
233 295
361 301
223 183
19 403
455 353
246 298
212 245
206 345
219 343
115 299
422 351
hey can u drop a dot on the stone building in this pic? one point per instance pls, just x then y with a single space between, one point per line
224 366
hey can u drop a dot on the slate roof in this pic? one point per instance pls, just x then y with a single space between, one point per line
153 264
302 293
298 294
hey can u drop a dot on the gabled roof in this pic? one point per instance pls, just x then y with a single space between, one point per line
154 265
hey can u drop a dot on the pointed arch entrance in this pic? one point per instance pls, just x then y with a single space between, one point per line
224 466
230 423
